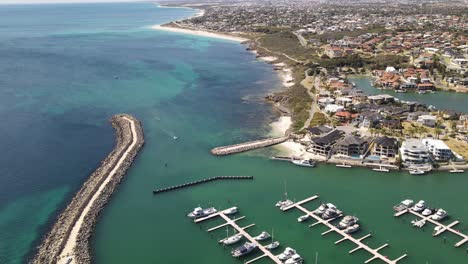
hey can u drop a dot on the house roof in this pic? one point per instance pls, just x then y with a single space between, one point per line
351 140
386 141
318 130
329 138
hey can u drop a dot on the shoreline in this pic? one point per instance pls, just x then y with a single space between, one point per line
71 232
199 33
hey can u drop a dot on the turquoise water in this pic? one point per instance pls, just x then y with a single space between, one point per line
58 89
440 99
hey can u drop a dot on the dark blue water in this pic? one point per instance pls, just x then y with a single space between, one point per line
66 69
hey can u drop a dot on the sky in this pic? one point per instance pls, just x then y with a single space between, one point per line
59 1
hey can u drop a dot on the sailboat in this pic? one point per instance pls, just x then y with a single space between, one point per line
229 240
274 244
286 202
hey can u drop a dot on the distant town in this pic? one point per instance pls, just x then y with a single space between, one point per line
404 46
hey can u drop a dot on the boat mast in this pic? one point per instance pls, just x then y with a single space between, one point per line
316 257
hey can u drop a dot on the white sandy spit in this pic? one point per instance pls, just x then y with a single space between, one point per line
279 128
198 33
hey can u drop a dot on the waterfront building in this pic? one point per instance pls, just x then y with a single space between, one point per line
385 147
438 149
427 120
323 145
413 151
352 146
319 130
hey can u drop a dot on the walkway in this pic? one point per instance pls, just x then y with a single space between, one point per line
231 149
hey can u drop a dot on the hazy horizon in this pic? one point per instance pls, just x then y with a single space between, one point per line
12 2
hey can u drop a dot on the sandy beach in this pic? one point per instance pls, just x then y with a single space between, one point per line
199 33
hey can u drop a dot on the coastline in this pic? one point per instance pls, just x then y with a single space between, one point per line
200 33
71 232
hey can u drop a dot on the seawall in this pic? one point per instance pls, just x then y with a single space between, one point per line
70 235
227 150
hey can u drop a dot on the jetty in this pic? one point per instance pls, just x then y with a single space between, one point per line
443 228
357 241
69 239
242 147
240 230
206 180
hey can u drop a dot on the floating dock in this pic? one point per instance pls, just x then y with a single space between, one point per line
358 242
242 147
443 227
240 230
185 185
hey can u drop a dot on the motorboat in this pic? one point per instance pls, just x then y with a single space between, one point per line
427 212
421 205
302 218
351 229
439 215
419 223
287 253
401 91
437 229
243 250
273 245
348 221
264 235
294 259
381 169
344 165
231 211
456 171
200 212
233 239
330 213
403 205
304 162
323 207
422 92
416 172
286 204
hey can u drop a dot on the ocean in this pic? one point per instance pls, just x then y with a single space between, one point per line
66 69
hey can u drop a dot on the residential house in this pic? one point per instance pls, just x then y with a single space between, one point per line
413 151
351 146
319 130
427 120
385 147
438 149
323 145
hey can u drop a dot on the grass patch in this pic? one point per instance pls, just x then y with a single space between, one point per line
318 119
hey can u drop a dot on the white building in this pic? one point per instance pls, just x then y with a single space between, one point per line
438 149
333 108
427 120
413 151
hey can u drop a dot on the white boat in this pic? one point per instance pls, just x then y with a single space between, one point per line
302 218
330 213
348 221
456 171
421 205
403 205
264 235
422 92
286 204
233 239
323 207
200 212
437 229
304 163
344 165
427 212
294 259
231 211
416 172
380 169
243 250
439 215
287 253
273 245
175 138
419 223
351 229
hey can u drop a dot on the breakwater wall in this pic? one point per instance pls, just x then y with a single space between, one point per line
185 185
70 235
242 147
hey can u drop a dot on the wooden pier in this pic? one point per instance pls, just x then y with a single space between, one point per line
237 148
185 185
443 227
240 230
332 228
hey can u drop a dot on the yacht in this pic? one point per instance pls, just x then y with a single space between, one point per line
286 203
456 171
330 213
302 218
243 250
272 245
351 229
287 253
200 212
427 212
304 163
439 215
231 211
348 221
421 205
323 207
416 172
264 235
233 239
295 259
403 205
380 169
418 223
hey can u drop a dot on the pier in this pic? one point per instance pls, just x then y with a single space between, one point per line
444 228
240 230
332 228
242 147
185 185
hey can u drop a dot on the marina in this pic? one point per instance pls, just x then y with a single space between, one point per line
240 230
346 236
439 229
185 185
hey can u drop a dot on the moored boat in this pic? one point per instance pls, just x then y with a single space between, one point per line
243 250
352 229
439 215
416 172
200 212
231 211
264 235
347 222
294 259
421 205
456 171
273 245
287 253
302 218
403 205
427 212
304 163
233 239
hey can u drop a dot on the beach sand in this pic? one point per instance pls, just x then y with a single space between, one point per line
199 33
